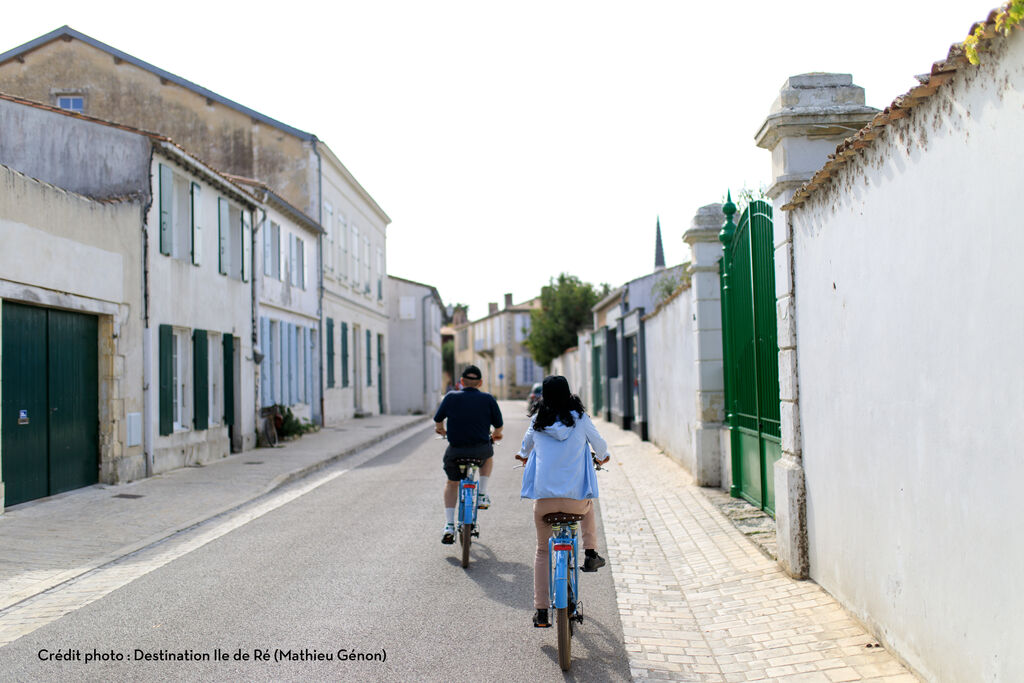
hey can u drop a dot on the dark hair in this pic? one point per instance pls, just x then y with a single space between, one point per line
556 404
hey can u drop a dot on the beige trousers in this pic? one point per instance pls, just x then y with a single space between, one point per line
588 529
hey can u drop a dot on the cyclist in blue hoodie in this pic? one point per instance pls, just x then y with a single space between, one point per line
559 475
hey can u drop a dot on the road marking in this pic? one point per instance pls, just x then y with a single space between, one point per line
39 610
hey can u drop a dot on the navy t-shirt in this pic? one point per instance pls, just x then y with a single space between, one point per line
471 413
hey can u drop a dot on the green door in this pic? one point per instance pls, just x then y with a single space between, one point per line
751 352
50 402
598 370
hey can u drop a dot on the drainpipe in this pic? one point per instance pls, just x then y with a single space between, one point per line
147 335
257 230
320 276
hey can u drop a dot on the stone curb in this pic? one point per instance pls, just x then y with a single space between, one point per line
278 481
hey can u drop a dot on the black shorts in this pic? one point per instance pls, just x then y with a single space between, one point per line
478 453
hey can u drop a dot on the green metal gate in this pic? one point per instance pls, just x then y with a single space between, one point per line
751 351
49 403
597 371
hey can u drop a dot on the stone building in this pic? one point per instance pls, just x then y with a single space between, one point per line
494 343
68 69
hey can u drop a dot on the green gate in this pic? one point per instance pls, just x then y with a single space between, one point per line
597 370
49 402
751 351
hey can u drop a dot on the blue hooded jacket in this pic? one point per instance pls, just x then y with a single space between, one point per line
559 463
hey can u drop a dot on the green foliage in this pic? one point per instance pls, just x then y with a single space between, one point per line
292 426
665 285
1008 17
565 308
448 357
746 195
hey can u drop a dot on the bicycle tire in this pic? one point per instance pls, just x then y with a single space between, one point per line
269 431
467 540
562 619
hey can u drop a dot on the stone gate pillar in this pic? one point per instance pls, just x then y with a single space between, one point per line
707 306
812 115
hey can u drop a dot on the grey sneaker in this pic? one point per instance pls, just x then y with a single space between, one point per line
483 501
449 534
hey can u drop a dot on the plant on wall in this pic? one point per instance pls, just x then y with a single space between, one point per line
1008 17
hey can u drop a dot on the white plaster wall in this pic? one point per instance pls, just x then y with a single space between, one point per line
670 339
415 361
909 330
198 297
63 250
345 297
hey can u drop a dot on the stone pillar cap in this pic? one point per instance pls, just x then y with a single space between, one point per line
815 104
705 224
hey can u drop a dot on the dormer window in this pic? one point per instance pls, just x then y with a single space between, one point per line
75 103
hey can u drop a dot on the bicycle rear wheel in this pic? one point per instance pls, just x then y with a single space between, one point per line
562 618
467 540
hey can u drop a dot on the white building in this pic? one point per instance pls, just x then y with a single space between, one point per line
414 346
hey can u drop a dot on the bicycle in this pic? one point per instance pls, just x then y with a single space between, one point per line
468 505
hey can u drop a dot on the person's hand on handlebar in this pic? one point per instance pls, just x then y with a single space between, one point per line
496 435
603 462
439 428
521 458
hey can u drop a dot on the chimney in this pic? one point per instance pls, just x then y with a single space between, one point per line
492 308
508 300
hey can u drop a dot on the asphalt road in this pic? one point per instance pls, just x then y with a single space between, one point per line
354 565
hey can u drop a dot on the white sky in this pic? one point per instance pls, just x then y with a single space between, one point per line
512 141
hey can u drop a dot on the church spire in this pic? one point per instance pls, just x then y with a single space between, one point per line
659 252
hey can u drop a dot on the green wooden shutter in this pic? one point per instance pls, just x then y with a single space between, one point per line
166 388
229 379
344 354
330 352
166 181
197 226
223 225
369 375
200 379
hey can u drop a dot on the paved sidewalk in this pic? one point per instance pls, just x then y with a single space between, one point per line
50 541
699 602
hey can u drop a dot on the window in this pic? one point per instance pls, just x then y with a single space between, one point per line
522 326
215 379
380 274
179 379
366 264
463 339
354 275
527 371
75 103
342 246
234 239
180 228
272 250
329 237
296 261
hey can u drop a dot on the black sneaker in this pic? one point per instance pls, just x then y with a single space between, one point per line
449 534
540 619
592 563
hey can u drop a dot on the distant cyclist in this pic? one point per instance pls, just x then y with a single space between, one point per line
470 413
560 477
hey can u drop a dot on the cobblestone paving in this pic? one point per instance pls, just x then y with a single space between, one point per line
699 602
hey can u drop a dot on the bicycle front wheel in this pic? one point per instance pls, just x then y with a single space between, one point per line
467 540
562 618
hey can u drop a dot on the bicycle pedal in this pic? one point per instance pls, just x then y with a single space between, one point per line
476 532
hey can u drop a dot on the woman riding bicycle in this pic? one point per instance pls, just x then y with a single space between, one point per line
559 475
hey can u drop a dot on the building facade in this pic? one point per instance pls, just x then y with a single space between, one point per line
414 333
495 344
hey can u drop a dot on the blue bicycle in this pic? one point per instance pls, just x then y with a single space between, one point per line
564 579
468 505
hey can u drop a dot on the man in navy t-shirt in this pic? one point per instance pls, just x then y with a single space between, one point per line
470 413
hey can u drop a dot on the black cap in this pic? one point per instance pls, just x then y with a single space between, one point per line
471 372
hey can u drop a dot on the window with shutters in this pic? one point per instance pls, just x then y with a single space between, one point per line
342 246
180 379
234 240
407 308
215 379
380 274
272 250
329 238
366 264
180 215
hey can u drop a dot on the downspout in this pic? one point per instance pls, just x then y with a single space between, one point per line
320 276
257 375
147 336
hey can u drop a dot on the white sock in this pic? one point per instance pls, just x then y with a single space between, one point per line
449 516
483 485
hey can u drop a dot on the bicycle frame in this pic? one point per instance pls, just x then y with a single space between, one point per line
563 572
468 490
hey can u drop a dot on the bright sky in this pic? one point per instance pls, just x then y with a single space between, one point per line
512 141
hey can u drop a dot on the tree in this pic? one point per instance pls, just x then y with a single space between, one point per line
564 308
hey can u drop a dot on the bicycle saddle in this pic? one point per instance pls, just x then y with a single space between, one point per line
561 518
468 461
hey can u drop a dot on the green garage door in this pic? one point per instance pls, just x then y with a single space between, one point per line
49 402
